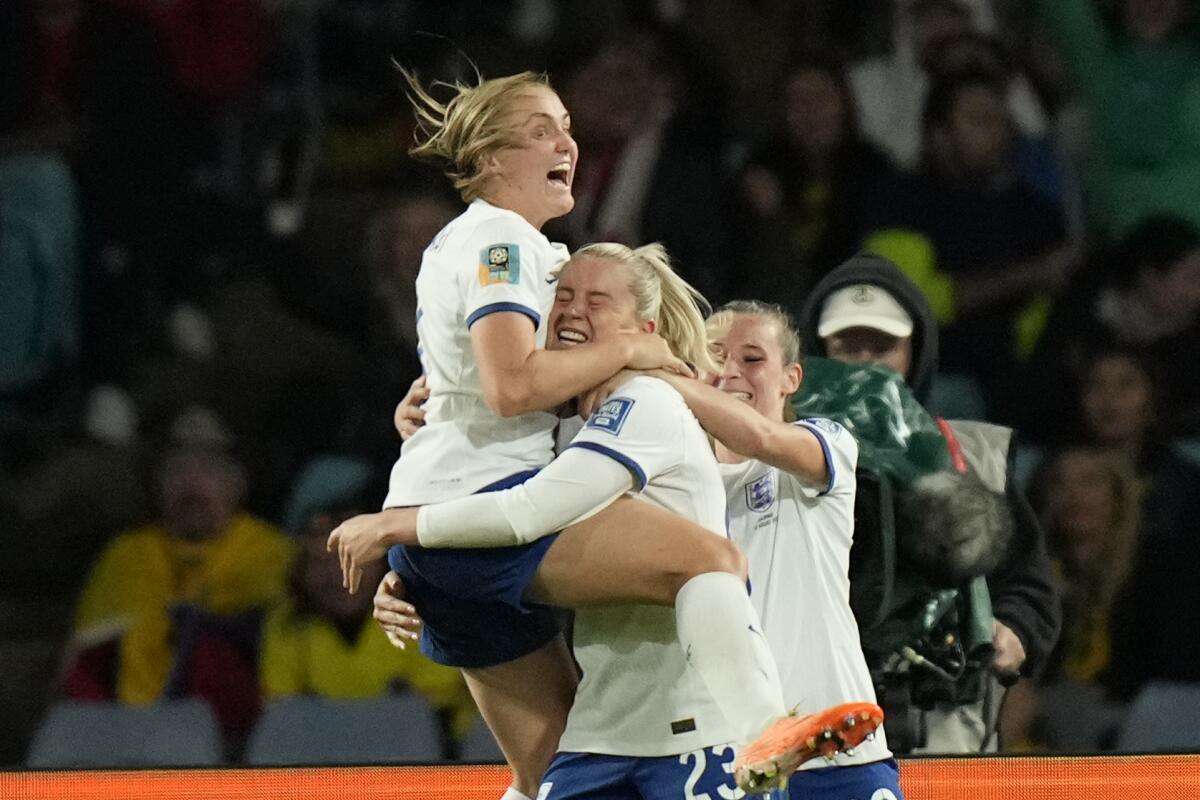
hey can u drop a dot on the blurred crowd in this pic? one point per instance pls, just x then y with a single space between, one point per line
209 231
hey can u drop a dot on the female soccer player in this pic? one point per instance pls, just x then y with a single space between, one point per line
790 489
484 285
643 725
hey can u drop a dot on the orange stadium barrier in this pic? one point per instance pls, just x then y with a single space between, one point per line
1005 778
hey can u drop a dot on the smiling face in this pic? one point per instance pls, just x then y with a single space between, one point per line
593 303
752 365
533 173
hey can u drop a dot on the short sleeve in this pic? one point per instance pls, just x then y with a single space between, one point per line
638 427
841 454
502 270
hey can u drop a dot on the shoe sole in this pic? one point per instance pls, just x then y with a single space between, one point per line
839 730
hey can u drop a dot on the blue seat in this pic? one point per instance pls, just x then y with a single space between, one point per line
313 730
479 745
1161 720
171 733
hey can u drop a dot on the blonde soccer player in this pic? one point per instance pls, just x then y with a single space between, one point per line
485 285
790 488
645 724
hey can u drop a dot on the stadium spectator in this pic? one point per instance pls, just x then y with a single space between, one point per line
1144 294
805 189
1139 76
891 90
985 248
652 172
173 608
868 311
322 641
1036 152
1088 505
1120 412
40 244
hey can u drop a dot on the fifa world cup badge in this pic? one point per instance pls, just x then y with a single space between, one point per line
499 263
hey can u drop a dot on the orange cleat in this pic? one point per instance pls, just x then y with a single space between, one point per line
770 760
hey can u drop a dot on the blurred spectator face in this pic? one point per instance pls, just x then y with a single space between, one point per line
199 492
976 140
752 365
320 574
816 111
1117 400
1152 21
612 92
1082 500
934 21
970 51
871 346
1174 291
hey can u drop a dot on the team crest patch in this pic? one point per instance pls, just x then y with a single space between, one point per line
499 263
611 416
760 494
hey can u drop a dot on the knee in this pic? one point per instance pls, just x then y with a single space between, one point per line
731 559
717 554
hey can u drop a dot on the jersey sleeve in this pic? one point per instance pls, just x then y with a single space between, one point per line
573 487
501 271
638 427
841 454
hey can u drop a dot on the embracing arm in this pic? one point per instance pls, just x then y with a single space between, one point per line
576 485
518 377
793 448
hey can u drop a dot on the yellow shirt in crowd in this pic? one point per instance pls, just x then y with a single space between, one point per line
143 573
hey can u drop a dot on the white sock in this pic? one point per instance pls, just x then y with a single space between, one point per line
513 794
722 636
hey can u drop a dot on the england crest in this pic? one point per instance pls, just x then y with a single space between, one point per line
760 494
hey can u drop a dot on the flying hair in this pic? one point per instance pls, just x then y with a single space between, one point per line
461 133
662 295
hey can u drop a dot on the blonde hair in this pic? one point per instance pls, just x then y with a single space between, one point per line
470 126
788 335
660 294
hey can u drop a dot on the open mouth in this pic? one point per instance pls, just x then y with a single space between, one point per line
745 397
560 175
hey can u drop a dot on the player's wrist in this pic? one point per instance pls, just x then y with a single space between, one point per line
400 527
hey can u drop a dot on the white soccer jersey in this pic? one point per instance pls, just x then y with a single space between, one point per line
797 538
488 259
638 696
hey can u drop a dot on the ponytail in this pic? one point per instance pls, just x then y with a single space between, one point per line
663 296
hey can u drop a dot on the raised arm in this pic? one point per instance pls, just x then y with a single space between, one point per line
794 448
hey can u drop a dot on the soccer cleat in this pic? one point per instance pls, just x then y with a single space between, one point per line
769 761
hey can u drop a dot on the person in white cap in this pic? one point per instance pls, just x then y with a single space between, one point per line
864 323
867 311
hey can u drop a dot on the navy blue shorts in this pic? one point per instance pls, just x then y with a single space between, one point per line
706 773
473 600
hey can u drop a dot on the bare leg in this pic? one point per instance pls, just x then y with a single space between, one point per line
631 552
525 703
635 552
